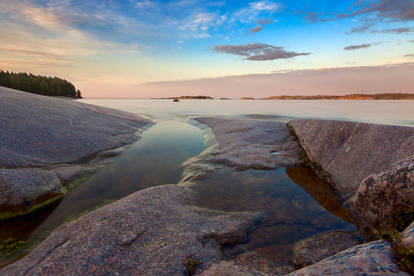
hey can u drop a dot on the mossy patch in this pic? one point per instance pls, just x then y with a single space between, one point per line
190 265
403 254
10 246
35 207
403 220
70 186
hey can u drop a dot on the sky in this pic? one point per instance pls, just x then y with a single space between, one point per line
161 48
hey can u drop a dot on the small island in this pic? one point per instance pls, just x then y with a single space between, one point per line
382 96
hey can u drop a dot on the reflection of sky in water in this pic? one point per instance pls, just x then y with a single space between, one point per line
388 112
289 212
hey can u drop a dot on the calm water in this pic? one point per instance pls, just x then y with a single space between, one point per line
294 202
384 112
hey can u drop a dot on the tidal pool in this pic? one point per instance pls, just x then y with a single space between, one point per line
155 159
294 202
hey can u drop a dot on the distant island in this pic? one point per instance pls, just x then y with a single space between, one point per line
41 85
383 96
186 98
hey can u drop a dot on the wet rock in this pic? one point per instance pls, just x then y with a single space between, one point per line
248 143
348 152
71 173
365 259
23 190
316 248
386 200
151 232
40 131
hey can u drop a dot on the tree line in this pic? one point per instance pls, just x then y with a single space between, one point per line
48 86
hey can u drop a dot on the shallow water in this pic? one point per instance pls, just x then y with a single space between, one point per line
153 160
294 203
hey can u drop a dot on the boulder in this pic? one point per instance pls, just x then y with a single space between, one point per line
150 232
24 190
385 199
314 249
365 259
249 143
348 152
41 131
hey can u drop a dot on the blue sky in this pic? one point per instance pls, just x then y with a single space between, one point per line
116 45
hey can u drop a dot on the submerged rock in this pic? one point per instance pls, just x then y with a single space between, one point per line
365 259
257 144
316 248
348 152
151 232
385 199
24 190
40 131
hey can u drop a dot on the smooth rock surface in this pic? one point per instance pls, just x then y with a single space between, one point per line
316 248
348 152
382 198
408 236
40 131
21 190
249 143
366 259
151 232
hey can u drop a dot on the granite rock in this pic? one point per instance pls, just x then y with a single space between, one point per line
366 259
41 131
150 232
348 152
249 143
384 197
23 190
314 249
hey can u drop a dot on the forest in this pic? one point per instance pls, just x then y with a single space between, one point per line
48 86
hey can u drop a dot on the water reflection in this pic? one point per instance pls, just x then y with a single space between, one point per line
153 160
295 204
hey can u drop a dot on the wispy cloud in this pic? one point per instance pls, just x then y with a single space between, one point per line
257 51
399 30
397 10
265 21
357 47
255 9
255 30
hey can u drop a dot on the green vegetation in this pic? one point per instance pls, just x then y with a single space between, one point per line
9 246
402 253
41 85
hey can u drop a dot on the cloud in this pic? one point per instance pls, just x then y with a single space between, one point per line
257 51
256 30
254 9
144 4
395 10
356 47
399 30
265 21
362 28
409 56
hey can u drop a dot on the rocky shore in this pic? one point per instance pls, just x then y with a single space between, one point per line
157 231
45 143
